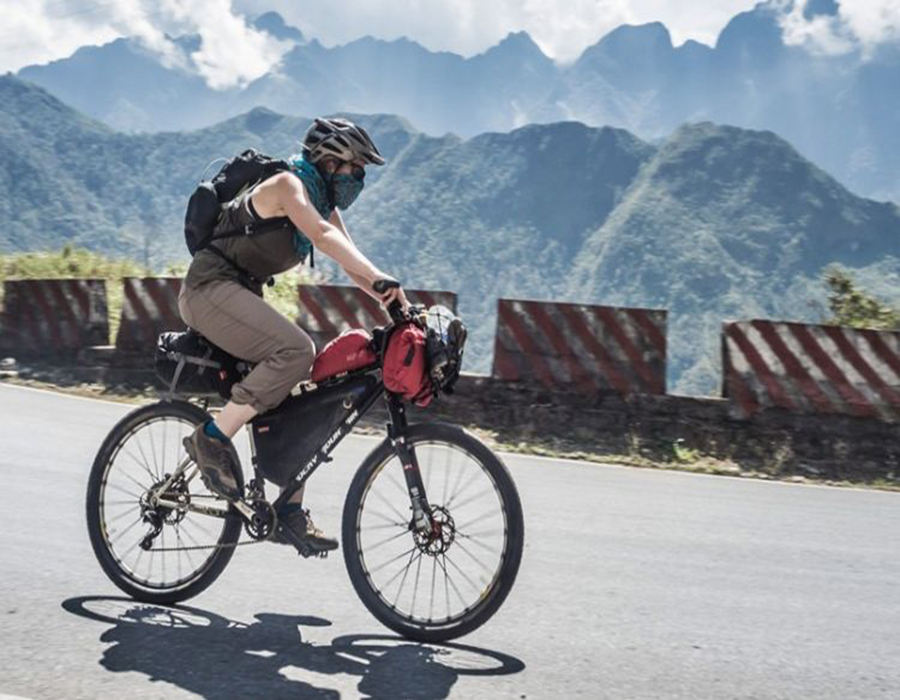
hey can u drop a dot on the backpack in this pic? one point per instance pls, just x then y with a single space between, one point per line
205 204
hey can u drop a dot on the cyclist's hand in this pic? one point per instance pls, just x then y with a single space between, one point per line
389 292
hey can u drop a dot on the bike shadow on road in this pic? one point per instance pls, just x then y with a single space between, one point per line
214 657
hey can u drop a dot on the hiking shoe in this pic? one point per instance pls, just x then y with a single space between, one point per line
218 462
295 518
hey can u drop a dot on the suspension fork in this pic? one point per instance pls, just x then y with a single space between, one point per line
396 431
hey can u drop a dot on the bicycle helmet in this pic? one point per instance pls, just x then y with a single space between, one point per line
341 139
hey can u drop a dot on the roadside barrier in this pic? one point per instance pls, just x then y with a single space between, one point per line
326 311
149 307
49 318
811 369
586 348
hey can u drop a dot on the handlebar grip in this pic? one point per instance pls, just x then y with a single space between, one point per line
381 286
395 311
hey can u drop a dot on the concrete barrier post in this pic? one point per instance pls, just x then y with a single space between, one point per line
805 368
588 349
53 317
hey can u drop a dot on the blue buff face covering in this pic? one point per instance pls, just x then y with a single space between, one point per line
346 190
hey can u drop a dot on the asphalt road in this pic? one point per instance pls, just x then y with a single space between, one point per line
634 584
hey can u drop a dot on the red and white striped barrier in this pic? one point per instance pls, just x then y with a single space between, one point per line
591 348
149 307
326 311
811 369
53 317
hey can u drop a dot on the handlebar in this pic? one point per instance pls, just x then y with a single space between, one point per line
395 309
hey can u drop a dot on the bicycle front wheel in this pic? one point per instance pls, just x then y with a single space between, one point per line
446 584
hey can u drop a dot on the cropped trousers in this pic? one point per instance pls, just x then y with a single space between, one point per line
244 325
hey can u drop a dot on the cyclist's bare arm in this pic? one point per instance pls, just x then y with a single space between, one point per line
337 221
285 195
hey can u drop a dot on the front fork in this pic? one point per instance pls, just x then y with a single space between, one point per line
396 430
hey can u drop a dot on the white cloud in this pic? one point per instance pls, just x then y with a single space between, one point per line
562 29
231 52
859 24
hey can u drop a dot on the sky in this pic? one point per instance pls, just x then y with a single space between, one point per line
38 31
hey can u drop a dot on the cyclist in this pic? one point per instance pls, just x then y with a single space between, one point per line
221 296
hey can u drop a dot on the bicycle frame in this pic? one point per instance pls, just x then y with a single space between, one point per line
396 430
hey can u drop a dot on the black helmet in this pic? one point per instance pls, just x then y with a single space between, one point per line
341 139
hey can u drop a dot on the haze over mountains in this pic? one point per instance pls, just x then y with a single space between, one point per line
715 222
842 111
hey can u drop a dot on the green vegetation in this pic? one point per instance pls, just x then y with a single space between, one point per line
851 306
78 263
75 263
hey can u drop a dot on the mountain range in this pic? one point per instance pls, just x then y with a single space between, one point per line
840 111
714 222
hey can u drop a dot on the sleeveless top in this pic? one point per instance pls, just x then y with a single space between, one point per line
263 255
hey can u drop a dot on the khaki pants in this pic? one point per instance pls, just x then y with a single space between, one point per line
243 324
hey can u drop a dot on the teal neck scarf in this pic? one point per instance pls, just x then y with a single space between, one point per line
318 194
315 185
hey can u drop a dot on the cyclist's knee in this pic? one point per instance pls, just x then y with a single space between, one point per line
296 358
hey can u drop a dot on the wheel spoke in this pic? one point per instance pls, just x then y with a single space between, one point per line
475 559
116 487
121 515
392 560
472 499
390 505
370 547
478 519
412 611
461 491
127 529
405 574
463 574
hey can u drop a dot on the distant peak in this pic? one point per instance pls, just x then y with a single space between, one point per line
273 23
650 32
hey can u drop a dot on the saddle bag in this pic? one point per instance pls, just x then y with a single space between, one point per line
189 364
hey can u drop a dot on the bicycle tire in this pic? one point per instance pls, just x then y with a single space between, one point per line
452 436
231 531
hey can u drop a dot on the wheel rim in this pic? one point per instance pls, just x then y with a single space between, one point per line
147 453
438 581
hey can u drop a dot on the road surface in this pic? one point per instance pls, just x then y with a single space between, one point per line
634 584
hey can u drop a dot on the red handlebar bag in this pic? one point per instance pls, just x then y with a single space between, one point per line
350 350
405 370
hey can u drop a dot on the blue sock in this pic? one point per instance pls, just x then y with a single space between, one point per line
213 431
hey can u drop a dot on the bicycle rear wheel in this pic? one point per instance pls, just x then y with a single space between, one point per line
190 549
447 584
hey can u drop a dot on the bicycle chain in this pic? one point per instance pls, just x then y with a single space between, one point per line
194 548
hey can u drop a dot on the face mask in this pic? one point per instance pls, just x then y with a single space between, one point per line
346 190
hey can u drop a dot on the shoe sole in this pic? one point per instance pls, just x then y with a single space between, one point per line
212 480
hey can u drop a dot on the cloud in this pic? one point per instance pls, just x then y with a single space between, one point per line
231 52
858 25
